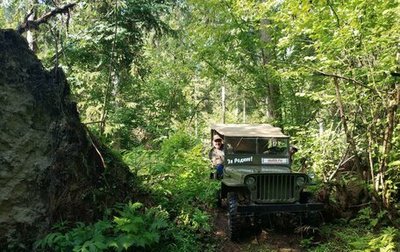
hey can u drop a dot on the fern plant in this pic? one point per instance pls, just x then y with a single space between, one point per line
134 227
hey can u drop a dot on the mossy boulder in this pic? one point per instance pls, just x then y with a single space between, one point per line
51 168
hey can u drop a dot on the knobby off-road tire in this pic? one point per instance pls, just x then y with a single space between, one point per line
233 217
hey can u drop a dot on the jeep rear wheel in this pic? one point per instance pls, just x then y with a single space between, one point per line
233 217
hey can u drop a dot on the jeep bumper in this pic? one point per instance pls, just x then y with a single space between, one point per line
278 208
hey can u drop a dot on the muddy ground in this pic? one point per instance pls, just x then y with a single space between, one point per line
261 239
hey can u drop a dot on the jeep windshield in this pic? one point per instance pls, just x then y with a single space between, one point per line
246 144
256 145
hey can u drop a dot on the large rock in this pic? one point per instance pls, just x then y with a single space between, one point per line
51 168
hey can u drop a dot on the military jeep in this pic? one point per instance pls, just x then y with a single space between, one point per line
257 177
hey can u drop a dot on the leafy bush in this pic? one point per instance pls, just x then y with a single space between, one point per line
388 240
178 178
367 217
178 174
342 237
319 152
173 147
134 227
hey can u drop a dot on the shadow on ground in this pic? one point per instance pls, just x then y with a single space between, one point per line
260 239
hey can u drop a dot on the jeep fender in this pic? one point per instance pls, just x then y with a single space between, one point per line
233 187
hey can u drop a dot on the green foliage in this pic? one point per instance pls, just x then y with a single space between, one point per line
367 217
177 177
278 60
179 181
189 173
387 240
352 43
175 146
102 51
139 159
139 231
319 152
108 66
133 227
341 237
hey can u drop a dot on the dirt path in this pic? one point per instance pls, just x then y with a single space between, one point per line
260 240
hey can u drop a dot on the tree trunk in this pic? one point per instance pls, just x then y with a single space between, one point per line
387 141
111 81
272 89
30 35
349 137
223 103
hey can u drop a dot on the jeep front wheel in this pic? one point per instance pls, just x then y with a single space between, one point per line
233 217
219 198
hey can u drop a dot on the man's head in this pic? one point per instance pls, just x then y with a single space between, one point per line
217 141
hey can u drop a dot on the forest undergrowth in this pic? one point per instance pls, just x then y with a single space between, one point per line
326 72
177 214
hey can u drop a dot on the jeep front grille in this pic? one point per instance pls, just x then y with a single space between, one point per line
276 188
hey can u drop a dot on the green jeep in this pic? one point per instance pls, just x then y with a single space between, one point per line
257 179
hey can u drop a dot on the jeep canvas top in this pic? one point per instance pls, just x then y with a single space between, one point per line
256 148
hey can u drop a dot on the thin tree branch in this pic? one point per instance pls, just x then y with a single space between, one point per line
93 122
195 110
360 83
29 14
340 77
340 165
360 205
334 12
92 142
34 24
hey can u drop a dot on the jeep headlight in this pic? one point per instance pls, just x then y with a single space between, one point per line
250 181
300 181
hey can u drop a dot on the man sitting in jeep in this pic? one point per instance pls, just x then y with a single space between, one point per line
217 157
